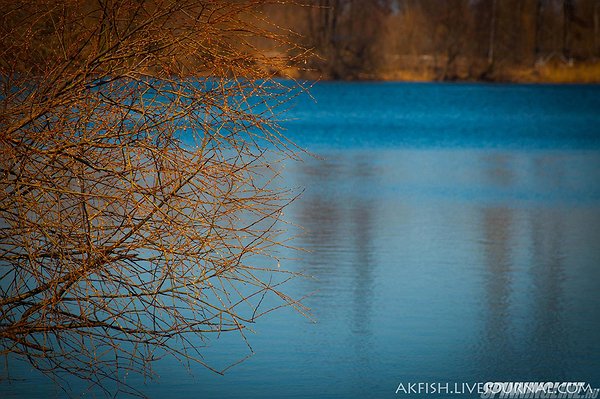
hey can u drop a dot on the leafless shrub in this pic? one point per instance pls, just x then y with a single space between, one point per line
119 241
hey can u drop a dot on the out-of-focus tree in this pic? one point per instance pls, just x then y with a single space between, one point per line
136 193
447 40
345 35
596 44
568 16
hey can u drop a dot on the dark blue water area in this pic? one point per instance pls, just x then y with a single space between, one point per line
447 115
450 233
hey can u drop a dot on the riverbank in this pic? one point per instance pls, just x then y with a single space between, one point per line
554 73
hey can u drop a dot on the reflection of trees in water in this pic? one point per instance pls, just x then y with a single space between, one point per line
337 214
497 223
499 171
548 335
541 353
361 232
320 214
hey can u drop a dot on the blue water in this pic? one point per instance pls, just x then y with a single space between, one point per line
392 115
452 235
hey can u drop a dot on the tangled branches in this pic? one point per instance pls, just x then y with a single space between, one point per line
135 192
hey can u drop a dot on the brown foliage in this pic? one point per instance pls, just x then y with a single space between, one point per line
119 242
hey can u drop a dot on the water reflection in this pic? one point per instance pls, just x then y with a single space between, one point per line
481 260
362 234
498 264
497 223
339 231
549 332
525 335
429 265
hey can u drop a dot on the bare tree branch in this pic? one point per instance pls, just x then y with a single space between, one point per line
134 196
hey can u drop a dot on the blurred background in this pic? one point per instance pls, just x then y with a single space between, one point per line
493 40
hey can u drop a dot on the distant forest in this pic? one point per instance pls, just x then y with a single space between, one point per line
493 40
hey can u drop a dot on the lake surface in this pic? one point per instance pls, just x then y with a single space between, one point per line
453 235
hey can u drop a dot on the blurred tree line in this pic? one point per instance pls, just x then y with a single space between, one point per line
448 40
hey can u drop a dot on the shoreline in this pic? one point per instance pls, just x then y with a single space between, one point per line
563 73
